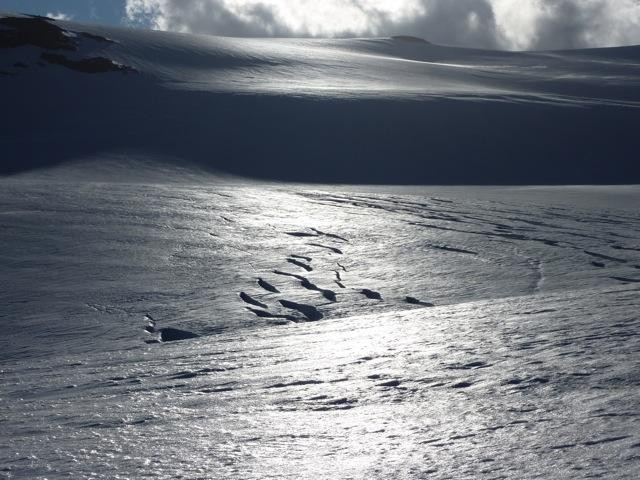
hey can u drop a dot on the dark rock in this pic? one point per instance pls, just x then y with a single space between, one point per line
301 234
446 248
329 295
327 247
173 334
330 235
390 383
37 31
265 314
415 301
167 334
308 311
300 264
267 286
252 301
86 65
371 294
461 385
301 257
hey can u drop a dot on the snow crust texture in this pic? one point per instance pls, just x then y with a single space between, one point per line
353 332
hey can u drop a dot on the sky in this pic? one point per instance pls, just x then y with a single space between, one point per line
501 24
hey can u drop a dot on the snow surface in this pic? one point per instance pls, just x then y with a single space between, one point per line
351 331
525 367
340 110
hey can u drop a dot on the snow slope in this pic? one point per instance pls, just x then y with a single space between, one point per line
520 361
356 332
395 110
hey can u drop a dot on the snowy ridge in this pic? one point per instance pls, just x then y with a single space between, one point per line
377 67
380 67
353 110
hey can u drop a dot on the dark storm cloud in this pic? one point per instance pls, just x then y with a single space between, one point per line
211 16
510 24
568 24
459 22
206 16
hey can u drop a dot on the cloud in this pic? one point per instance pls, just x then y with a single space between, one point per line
59 16
547 24
459 22
507 24
272 17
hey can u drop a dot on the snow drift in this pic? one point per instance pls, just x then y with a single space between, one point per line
389 110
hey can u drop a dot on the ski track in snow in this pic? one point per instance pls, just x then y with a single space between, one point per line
293 376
